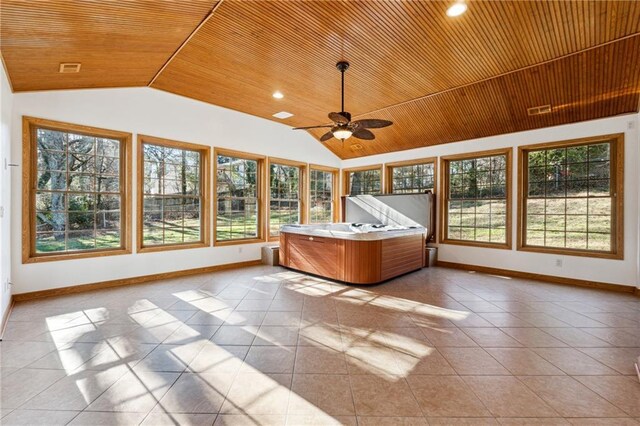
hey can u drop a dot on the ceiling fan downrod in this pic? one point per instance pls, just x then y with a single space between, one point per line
342 67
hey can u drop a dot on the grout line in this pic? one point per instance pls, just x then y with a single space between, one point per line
416 292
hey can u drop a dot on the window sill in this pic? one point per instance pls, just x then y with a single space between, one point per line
238 242
38 258
171 247
573 252
499 246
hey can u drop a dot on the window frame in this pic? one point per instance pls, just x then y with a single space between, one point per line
205 154
444 215
260 195
29 182
346 180
302 192
617 186
335 215
390 166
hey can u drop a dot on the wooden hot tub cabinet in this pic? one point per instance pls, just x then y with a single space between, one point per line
356 261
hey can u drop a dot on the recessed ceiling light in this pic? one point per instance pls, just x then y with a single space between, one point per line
278 94
282 115
457 9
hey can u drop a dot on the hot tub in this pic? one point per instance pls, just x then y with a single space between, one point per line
357 253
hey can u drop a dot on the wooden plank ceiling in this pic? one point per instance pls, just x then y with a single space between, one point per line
598 83
119 43
439 79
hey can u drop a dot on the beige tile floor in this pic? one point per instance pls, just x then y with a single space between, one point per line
267 346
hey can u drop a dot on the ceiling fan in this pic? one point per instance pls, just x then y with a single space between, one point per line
342 127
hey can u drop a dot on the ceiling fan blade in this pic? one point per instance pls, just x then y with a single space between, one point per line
312 127
363 134
372 123
326 136
338 118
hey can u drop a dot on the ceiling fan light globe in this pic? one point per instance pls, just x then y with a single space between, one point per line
342 134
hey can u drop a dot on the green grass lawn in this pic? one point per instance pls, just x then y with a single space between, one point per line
229 227
580 223
237 226
53 242
155 233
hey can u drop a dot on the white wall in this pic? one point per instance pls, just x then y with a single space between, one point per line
6 103
155 113
147 111
625 272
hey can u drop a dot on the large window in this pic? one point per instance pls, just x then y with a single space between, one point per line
475 209
363 181
415 176
76 187
571 197
238 197
285 189
172 194
322 191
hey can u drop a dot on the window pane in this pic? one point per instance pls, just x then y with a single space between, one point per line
569 204
81 182
535 222
599 242
365 182
107 239
237 202
535 237
50 242
321 196
477 199
73 171
284 205
415 178
577 240
576 223
171 196
81 240
536 206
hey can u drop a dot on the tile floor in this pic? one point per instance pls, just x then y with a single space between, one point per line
267 346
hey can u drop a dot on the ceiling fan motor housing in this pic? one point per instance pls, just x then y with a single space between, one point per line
342 66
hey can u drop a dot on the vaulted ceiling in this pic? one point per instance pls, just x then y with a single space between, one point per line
440 79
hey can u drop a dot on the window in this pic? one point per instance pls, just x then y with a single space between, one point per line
322 184
173 200
475 209
363 181
415 176
238 197
76 191
285 189
571 197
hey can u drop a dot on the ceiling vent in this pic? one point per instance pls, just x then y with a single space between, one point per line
539 110
69 67
282 115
